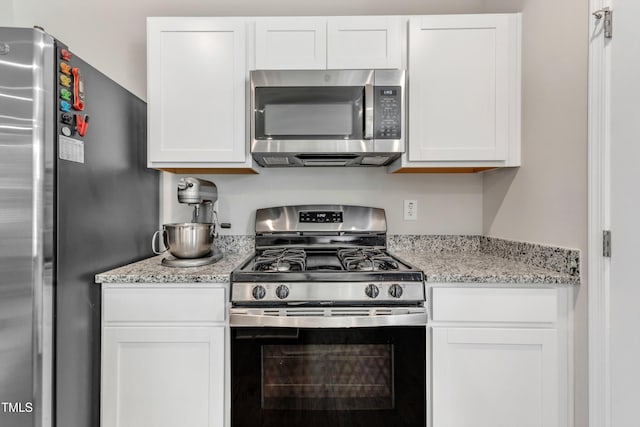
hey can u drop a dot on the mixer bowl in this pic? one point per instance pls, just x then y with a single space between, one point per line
187 240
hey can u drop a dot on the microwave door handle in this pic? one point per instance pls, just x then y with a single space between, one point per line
368 111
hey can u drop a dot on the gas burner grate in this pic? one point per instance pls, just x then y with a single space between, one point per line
366 259
281 260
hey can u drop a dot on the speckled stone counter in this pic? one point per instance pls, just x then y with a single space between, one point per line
470 260
151 271
477 268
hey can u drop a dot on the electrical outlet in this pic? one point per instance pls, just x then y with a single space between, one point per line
410 210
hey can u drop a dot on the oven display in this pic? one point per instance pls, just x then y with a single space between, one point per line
320 216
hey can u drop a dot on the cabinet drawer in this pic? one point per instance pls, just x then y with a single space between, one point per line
494 305
164 305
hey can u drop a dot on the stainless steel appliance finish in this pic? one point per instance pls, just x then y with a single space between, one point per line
61 222
323 255
186 240
287 220
328 317
327 326
215 256
327 117
201 194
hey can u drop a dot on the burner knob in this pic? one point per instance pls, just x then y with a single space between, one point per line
395 290
282 292
259 292
372 291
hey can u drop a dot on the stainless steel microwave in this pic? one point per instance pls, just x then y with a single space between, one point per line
327 117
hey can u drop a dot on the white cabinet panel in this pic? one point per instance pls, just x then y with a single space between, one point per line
163 376
164 305
464 92
495 305
495 377
197 73
355 42
296 43
364 42
459 98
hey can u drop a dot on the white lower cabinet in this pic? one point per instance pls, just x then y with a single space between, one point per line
163 371
485 377
500 358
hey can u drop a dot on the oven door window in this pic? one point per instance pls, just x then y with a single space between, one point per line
339 377
308 113
369 377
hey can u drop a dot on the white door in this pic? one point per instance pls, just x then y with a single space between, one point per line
291 44
625 214
197 73
614 314
463 86
364 42
163 376
495 377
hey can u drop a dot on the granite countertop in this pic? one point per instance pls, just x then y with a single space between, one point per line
478 268
438 268
151 271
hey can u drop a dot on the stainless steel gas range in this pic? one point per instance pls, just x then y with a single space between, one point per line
328 327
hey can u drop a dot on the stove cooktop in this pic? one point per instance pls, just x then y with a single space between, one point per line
340 264
324 254
294 275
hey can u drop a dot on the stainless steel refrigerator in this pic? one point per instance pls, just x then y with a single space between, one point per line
75 199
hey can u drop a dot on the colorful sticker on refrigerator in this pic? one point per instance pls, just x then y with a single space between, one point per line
70 149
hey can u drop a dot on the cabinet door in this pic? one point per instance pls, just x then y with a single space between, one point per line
463 97
163 376
291 44
197 73
495 377
364 42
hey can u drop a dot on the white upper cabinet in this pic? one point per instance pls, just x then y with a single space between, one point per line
294 43
463 83
464 91
303 43
364 42
196 92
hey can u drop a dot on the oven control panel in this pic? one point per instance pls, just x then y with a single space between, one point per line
325 292
320 217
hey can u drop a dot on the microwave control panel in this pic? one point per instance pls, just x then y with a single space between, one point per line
388 112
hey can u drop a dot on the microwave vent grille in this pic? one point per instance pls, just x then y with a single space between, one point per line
374 160
276 161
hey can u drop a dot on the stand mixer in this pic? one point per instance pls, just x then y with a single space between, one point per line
201 194
191 244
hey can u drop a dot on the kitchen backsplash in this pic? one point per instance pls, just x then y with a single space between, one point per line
551 257
229 243
447 204
433 243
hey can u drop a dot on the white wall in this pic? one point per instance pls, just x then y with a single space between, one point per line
6 13
447 204
545 200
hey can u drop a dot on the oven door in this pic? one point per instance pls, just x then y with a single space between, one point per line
369 376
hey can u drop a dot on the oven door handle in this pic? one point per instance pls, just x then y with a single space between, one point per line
244 318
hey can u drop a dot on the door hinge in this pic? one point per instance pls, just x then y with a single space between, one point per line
607 14
606 243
